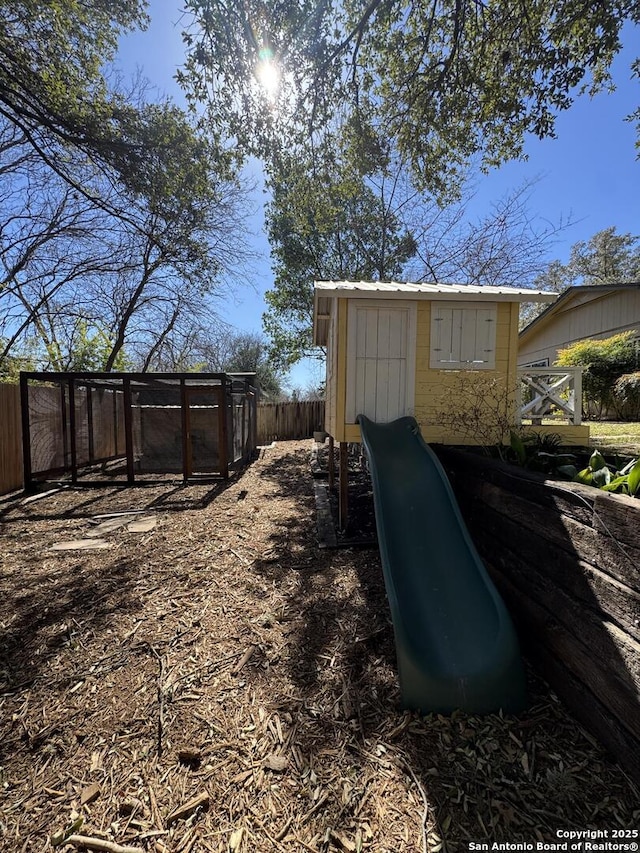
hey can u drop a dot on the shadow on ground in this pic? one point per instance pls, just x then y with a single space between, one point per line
493 778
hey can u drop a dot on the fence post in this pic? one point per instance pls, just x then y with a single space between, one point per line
128 429
223 432
577 396
26 431
72 431
343 485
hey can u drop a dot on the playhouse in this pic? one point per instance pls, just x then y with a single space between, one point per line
396 349
433 351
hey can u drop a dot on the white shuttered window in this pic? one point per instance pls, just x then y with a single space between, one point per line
463 335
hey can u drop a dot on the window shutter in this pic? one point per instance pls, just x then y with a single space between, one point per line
463 336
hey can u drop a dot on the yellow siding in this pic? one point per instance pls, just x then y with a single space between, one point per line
438 393
339 390
331 375
569 434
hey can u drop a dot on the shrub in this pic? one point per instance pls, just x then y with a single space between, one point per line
627 394
604 360
477 407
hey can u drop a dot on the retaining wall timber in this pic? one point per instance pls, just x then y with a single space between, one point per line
566 559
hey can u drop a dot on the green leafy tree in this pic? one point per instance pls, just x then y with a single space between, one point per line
52 80
327 222
604 361
605 258
446 82
88 348
24 358
627 395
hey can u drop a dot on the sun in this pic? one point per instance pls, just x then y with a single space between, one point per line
268 74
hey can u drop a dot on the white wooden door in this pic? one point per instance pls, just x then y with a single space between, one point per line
380 360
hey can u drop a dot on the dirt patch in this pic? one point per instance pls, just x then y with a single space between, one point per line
219 683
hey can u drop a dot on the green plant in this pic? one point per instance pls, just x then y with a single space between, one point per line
604 476
604 361
627 395
541 452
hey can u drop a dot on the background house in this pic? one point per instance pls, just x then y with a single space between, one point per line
585 311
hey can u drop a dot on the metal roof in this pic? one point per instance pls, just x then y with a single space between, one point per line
326 290
432 290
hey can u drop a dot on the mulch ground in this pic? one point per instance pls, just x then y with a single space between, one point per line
219 683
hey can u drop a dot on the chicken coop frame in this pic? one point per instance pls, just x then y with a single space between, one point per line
134 428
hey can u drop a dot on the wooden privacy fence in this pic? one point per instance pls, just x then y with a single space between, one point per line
283 421
11 471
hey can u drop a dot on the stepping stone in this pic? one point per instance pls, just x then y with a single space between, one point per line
142 525
106 527
40 496
80 545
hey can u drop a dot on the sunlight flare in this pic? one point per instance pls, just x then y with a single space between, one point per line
268 74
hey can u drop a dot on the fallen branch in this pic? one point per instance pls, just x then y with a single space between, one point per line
99 844
425 801
184 811
244 660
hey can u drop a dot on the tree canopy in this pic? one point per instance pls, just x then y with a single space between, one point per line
445 81
354 218
332 219
242 352
605 258
119 216
604 360
52 80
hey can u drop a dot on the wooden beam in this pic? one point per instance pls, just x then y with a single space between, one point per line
90 423
65 429
253 400
72 431
343 504
115 422
223 432
26 431
331 463
128 430
187 456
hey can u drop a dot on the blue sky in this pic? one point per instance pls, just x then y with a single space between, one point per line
590 172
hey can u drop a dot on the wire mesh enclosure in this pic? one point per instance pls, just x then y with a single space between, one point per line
136 427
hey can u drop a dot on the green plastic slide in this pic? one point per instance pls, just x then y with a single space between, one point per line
455 642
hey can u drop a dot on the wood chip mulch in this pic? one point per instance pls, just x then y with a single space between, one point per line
217 682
